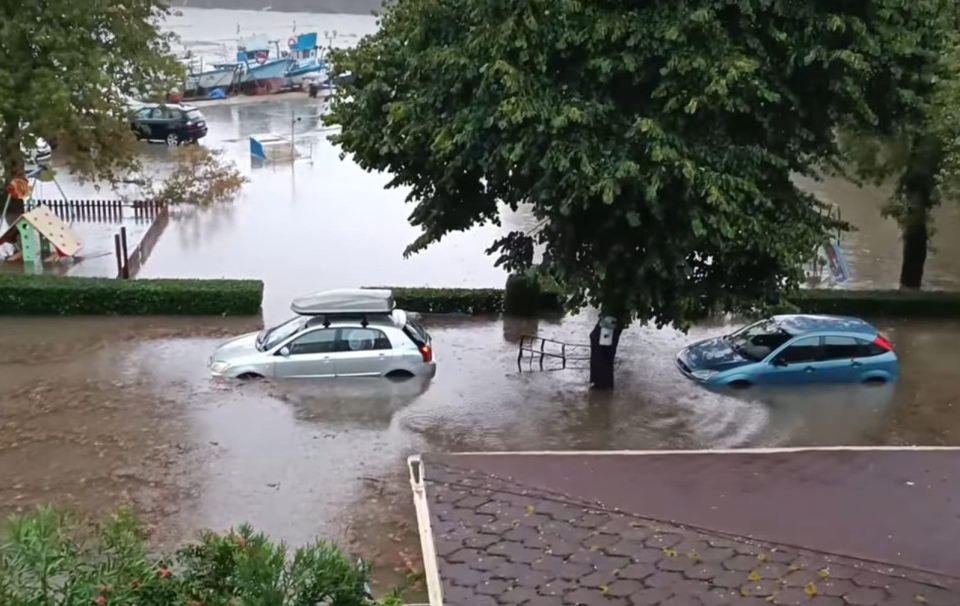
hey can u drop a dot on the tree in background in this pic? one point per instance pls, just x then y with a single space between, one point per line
653 140
921 156
66 68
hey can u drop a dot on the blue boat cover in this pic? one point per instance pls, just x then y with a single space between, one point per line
305 42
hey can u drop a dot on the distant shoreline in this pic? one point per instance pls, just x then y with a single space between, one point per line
349 7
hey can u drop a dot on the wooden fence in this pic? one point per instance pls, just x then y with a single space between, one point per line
135 260
104 210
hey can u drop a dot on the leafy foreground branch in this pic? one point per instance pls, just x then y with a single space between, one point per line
51 558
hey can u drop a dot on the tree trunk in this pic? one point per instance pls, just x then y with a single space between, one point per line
602 357
11 153
915 239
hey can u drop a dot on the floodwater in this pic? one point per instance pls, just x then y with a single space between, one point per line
97 412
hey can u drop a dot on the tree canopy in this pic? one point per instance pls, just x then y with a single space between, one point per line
654 140
921 155
66 68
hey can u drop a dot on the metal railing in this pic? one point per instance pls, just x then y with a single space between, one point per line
533 348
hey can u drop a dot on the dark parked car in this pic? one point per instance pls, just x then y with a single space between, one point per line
171 122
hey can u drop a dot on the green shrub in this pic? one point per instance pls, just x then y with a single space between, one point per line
52 559
52 295
476 301
521 296
875 303
880 303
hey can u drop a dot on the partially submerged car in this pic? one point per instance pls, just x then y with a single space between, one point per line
335 333
790 350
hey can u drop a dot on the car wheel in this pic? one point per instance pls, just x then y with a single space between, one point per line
173 140
399 375
250 376
873 381
740 385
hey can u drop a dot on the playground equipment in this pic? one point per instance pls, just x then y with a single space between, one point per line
273 148
828 264
41 233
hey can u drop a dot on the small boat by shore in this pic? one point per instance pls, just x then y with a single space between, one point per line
224 76
308 60
261 74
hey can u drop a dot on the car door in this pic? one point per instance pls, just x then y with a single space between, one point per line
363 352
145 121
308 355
796 363
842 359
166 122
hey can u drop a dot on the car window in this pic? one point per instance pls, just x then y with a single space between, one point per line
317 341
417 331
194 114
839 348
868 349
272 337
363 339
802 350
145 113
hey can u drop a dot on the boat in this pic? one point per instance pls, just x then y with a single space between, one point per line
308 59
225 76
260 73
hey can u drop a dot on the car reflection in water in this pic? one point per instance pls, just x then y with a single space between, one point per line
357 403
821 415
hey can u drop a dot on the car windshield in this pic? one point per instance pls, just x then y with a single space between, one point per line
268 339
755 342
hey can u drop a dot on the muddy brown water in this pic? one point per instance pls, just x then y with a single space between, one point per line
96 412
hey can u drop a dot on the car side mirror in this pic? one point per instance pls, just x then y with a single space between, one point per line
284 351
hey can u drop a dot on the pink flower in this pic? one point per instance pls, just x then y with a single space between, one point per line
164 573
101 600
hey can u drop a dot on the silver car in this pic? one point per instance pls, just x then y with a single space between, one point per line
341 333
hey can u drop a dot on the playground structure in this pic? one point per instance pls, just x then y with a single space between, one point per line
828 265
39 232
272 148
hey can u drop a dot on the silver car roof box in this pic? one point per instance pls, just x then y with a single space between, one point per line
345 301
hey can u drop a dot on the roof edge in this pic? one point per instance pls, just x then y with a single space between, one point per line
431 567
720 451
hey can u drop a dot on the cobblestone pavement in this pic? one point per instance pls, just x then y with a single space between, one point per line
501 543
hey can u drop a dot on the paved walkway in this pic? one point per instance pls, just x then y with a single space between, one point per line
505 542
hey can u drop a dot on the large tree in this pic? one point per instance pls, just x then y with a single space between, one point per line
920 157
66 67
654 140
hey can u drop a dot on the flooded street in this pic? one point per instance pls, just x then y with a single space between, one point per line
110 411
96 412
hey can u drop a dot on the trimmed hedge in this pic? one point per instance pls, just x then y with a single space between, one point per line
462 300
60 296
875 303
881 303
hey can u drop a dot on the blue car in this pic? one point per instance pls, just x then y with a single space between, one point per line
793 350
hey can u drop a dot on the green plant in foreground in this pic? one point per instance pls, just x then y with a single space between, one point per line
50 558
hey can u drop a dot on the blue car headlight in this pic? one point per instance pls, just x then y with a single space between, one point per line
704 375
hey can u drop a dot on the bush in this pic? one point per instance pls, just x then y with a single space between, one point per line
880 303
875 303
463 300
51 295
52 559
521 296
